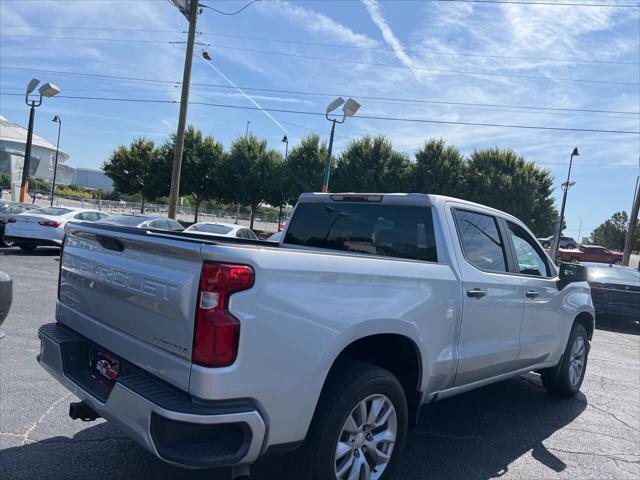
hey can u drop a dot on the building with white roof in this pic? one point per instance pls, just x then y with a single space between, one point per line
13 138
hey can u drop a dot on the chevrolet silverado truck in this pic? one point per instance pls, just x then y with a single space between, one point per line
590 253
219 351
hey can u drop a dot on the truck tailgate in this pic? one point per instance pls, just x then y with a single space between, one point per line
134 293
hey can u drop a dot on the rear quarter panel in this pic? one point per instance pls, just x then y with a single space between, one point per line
306 307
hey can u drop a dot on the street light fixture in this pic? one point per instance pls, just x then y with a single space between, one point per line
57 120
565 187
349 109
285 140
46 90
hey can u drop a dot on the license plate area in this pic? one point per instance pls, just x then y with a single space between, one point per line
104 367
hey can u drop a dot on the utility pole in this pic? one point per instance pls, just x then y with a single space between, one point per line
182 120
246 135
633 223
565 186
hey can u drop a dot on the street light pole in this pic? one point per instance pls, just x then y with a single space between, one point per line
57 120
566 186
285 140
182 119
24 184
46 90
350 107
327 166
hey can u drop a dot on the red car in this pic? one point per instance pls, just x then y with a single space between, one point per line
590 253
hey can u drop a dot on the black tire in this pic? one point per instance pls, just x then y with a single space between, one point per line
557 379
574 260
27 247
6 243
546 245
571 246
349 384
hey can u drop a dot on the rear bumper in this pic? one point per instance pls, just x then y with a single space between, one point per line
173 426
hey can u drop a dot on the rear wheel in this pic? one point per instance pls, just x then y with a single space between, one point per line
574 260
546 244
6 243
27 247
359 428
566 378
617 262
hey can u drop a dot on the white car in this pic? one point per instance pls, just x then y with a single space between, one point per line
45 226
224 229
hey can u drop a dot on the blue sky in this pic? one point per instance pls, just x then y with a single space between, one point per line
562 57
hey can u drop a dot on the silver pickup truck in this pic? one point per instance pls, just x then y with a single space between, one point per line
213 351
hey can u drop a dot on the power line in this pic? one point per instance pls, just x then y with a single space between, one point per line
302 42
379 64
317 94
508 2
364 117
230 14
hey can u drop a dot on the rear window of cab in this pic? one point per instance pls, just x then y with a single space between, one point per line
400 231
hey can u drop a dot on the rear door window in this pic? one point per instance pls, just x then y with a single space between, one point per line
401 231
481 240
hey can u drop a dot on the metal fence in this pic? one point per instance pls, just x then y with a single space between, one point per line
263 222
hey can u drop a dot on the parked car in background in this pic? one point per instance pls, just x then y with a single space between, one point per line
8 210
224 229
144 221
45 226
589 253
565 242
615 290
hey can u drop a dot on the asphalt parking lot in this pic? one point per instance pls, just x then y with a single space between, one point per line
512 430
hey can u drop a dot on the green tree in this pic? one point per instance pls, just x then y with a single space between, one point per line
506 181
371 165
201 164
612 233
305 168
139 169
252 173
439 169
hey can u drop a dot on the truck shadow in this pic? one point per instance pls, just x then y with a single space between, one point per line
476 435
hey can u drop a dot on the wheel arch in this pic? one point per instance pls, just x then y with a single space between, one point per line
395 352
587 320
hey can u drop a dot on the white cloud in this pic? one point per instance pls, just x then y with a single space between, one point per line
373 8
315 22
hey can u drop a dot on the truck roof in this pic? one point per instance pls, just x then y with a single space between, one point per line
425 199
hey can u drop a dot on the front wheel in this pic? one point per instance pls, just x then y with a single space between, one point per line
566 378
360 426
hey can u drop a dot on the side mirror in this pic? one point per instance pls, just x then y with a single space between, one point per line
570 273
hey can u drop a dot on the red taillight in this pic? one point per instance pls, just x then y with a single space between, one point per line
217 332
50 223
11 220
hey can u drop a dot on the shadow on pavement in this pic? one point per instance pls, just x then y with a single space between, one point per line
618 325
476 435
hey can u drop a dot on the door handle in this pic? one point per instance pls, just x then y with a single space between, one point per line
476 293
532 294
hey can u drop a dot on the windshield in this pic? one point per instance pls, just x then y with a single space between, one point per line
53 211
127 220
210 228
611 274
